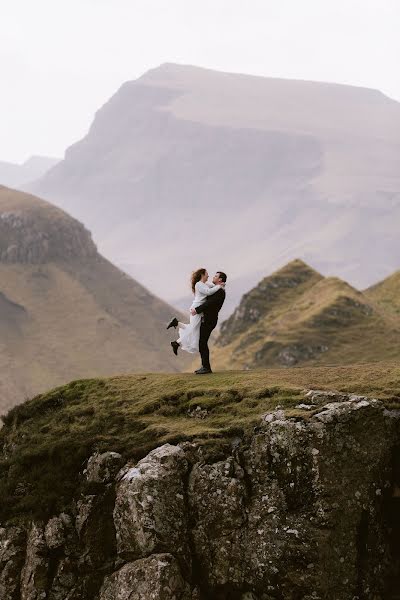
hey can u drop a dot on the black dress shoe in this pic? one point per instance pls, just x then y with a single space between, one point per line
173 323
175 347
203 371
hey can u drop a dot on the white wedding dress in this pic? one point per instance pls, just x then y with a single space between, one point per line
189 333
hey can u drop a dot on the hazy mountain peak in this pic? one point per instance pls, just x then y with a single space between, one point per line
18 175
291 167
37 161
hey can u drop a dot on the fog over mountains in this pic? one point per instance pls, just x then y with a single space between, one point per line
189 167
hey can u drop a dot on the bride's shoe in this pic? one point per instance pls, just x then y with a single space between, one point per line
173 323
175 347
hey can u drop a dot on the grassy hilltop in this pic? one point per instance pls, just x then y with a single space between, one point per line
47 440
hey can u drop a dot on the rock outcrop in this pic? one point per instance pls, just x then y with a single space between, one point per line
301 507
34 232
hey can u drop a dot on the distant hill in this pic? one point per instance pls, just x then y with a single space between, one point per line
387 293
15 175
65 311
296 316
186 167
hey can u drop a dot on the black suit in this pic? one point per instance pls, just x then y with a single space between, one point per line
209 310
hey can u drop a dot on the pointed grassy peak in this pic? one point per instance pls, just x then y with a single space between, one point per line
386 293
334 286
281 289
332 302
297 265
290 276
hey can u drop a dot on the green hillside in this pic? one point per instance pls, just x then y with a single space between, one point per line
296 316
47 439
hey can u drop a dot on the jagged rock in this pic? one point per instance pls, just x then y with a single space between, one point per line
34 576
217 501
66 583
154 578
150 512
314 488
94 522
29 238
55 531
12 554
102 468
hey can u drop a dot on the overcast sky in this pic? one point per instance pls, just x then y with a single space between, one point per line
62 59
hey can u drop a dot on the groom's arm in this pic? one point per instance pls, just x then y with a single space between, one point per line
210 302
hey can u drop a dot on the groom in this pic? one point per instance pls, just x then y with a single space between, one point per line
209 311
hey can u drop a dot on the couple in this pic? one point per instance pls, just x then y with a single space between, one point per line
207 302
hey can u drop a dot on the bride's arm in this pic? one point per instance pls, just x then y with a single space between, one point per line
205 289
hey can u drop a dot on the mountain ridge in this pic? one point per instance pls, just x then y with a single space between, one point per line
289 168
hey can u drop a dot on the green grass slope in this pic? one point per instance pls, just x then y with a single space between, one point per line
47 440
296 317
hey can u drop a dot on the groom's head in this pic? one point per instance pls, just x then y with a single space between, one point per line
219 277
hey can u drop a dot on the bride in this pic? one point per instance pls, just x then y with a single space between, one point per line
189 333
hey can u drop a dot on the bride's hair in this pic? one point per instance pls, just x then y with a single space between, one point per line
196 276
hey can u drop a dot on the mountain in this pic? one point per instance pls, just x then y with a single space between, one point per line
14 175
387 293
188 167
65 311
164 487
297 316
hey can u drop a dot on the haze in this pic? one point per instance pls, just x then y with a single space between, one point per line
60 61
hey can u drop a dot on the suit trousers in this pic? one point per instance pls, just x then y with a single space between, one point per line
205 332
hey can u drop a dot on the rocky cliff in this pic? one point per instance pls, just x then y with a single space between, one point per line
33 231
305 503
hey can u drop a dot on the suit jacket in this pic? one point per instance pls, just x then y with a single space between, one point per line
211 308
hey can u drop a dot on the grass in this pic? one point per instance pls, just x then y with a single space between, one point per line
48 439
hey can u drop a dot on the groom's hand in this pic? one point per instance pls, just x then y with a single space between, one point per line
193 311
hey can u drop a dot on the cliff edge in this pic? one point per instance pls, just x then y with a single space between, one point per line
233 487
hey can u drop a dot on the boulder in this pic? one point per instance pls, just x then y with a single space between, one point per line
150 513
154 578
